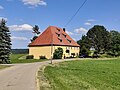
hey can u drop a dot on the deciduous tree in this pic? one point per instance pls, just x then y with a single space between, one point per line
85 46
115 43
99 38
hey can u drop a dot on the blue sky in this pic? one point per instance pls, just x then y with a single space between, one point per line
21 15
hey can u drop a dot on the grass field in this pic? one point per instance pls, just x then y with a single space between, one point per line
15 59
84 75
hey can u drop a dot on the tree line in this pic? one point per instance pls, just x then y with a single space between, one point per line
100 41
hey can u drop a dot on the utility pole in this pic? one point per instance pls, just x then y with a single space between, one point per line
51 48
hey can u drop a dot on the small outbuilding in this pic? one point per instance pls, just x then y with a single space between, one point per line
52 38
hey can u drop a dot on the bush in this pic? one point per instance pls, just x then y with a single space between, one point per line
58 53
95 54
30 57
43 57
106 56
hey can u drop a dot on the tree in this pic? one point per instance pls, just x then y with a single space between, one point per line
5 42
36 29
34 38
58 53
99 38
84 43
84 51
36 32
115 43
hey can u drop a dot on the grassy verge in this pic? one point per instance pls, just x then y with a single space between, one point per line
42 81
84 75
15 59
2 67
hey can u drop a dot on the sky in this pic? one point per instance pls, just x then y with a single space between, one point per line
22 15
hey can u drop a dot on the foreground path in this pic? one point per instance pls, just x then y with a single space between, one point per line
21 76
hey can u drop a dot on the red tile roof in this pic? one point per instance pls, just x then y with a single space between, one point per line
54 35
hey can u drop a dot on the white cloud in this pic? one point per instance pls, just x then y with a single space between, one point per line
69 33
1 7
91 20
19 38
88 23
34 3
81 30
24 27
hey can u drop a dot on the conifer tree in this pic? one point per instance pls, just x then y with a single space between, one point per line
5 42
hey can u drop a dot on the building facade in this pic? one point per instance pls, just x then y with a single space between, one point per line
52 38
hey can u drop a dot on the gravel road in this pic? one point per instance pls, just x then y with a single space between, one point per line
20 76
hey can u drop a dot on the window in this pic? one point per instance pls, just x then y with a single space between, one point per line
69 40
58 29
73 54
58 34
67 48
60 39
67 51
64 35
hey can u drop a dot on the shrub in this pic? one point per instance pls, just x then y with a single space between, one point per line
95 54
42 57
30 57
58 53
106 56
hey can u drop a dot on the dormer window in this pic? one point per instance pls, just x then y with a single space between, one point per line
60 39
69 40
58 34
64 35
58 29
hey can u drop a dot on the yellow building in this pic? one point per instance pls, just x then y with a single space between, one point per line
51 39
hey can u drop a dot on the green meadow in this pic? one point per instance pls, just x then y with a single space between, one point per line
21 58
84 75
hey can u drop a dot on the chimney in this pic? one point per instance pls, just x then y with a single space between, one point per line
64 29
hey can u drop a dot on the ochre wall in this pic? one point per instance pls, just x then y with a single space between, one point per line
40 51
46 51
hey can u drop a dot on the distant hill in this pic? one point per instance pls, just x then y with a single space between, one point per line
20 51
